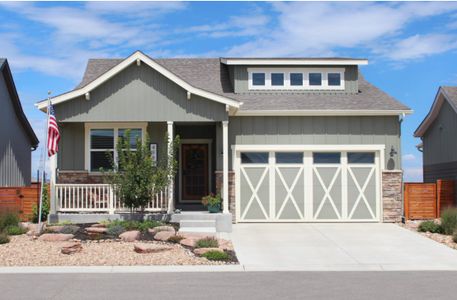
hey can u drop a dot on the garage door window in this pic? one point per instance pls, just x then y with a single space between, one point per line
254 158
361 157
326 157
289 157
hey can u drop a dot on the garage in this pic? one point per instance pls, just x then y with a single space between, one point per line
308 183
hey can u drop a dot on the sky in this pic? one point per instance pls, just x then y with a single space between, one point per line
411 46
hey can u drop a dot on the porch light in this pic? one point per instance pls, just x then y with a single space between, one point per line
392 152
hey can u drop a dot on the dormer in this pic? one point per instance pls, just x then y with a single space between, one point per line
257 75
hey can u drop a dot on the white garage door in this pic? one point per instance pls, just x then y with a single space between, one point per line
307 185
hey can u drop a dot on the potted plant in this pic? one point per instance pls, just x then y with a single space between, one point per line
213 202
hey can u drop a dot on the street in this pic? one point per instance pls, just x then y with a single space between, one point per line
232 285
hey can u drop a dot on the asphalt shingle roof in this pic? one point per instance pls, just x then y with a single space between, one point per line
451 93
211 75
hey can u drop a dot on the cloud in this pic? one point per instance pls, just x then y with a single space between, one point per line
409 157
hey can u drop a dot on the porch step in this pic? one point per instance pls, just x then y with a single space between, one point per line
197 226
202 221
198 229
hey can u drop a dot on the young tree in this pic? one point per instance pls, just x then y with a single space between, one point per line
135 177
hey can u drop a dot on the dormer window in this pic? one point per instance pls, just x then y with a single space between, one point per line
277 79
315 79
296 79
334 79
258 79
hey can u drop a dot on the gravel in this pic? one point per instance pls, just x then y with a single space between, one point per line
27 251
440 238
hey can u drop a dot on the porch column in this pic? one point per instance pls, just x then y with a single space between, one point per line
171 204
225 154
52 183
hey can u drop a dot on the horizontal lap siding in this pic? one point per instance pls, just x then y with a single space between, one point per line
420 201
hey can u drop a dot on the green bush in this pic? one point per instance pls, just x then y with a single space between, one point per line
4 238
430 226
208 242
449 220
175 239
44 209
142 226
216 255
115 230
69 229
15 230
8 219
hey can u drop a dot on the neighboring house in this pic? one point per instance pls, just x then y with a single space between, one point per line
283 139
17 139
438 134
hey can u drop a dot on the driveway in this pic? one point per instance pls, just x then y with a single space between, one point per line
338 247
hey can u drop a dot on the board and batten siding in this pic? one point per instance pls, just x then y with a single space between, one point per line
440 146
239 77
384 130
139 93
15 147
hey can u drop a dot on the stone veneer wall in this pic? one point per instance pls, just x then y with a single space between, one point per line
231 182
392 196
78 177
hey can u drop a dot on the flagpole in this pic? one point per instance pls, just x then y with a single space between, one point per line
44 161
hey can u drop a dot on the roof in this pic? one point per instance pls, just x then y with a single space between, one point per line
294 61
445 93
210 75
6 71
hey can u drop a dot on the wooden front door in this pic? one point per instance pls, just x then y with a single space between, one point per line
194 168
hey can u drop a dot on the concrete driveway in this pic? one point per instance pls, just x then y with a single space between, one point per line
338 247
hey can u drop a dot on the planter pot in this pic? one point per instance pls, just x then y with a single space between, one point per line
214 208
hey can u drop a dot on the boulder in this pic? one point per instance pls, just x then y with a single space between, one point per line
98 225
130 236
201 251
163 235
150 248
195 235
55 228
35 229
188 242
55 237
161 228
71 247
225 244
95 230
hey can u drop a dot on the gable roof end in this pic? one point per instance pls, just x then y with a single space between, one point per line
445 93
6 71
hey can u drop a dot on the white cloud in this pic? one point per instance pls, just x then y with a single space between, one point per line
409 157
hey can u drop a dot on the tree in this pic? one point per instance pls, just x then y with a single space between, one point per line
135 177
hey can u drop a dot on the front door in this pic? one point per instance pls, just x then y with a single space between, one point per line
194 172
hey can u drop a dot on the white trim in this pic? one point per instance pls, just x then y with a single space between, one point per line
225 166
293 62
308 147
124 64
328 112
171 186
191 142
304 71
108 125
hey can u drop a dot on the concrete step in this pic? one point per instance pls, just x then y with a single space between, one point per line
197 223
198 229
194 216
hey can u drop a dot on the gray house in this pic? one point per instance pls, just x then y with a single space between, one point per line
438 134
282 139
17 138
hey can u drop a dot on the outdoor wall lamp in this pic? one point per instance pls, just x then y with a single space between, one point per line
392 151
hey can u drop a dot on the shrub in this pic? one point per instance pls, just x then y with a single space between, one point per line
135 225
430 226
115 230
208 242
449 220
44 209
8 219
175 239
69 229
454 237
4 238
216 255
15 230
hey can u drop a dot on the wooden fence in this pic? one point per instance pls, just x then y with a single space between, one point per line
427 200
19 200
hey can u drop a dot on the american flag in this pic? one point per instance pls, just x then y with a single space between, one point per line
53 133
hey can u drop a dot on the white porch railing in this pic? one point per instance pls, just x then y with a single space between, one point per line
99 198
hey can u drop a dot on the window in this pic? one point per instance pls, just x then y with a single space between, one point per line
135 133
361 157
258 79
326 157
315 79
277 79
254 157
334 79
296 79
289 157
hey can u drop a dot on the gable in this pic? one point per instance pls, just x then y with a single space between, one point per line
139 93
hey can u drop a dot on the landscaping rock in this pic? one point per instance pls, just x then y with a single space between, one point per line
225 244
195 235
157 229
188 242
150 248
35 229
55 229
98 225
55 237
130 236
163 235
201 251
95 230
71 247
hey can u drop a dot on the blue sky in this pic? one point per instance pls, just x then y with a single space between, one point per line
411 46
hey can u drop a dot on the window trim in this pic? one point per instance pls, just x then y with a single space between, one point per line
304 71
252 80
115 126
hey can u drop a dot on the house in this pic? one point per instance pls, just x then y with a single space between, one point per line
17 139
437 132
282 139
